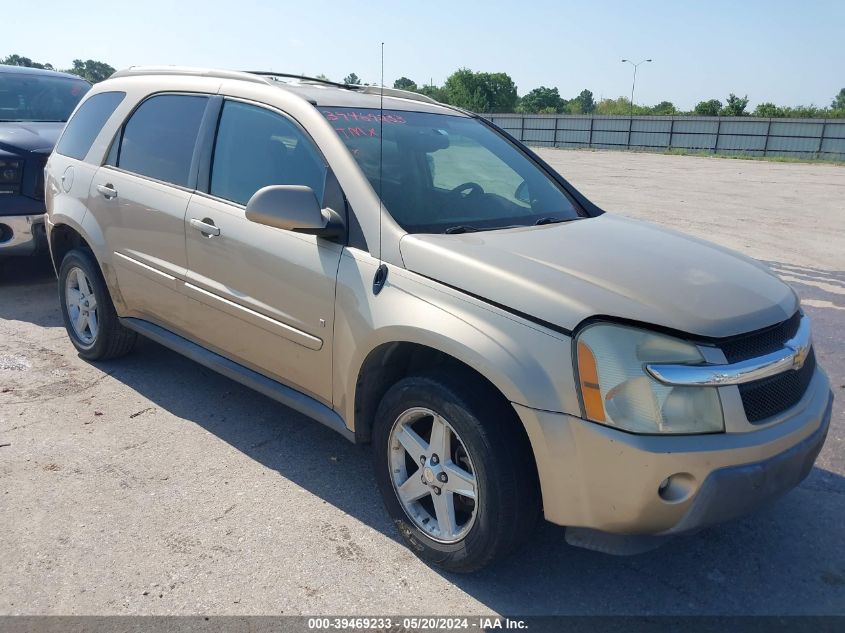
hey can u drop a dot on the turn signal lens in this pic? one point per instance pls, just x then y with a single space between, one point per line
590 389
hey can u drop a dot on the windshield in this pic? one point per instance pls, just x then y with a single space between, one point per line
31 97
446 173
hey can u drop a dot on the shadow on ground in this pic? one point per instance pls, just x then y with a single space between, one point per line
786 559
758 564
29 291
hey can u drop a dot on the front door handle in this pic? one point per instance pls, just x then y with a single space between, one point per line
108 191
205 226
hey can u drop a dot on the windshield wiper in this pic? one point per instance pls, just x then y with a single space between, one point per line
549 220
468 228
462 228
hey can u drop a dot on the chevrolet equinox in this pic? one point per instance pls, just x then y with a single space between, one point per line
409 275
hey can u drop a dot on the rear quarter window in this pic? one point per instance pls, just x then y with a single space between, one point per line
86 123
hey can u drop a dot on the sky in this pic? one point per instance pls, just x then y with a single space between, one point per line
789 53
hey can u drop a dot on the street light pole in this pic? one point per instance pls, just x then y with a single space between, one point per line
634 84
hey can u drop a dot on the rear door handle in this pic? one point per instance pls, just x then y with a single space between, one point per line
205 226
108 191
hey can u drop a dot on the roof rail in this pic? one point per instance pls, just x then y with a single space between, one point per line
401 94
136 71
277 76
389 92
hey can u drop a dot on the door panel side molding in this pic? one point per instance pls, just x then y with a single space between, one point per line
256 318
158 275
287 396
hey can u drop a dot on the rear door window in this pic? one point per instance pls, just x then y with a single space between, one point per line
86 123
256 148
159 138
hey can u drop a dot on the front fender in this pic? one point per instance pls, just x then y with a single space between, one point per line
527 363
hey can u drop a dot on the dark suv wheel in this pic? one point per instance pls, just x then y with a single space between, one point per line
455 469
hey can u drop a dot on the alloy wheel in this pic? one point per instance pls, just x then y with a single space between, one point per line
432 475
81 306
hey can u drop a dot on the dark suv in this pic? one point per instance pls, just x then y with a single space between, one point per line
34 106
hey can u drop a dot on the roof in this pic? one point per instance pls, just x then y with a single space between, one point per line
26 70
364 97
317 91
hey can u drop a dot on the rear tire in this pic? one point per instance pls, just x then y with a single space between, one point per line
487 457
87 309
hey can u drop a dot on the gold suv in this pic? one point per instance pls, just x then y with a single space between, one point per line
412 277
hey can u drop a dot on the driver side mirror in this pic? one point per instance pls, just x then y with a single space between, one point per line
293 208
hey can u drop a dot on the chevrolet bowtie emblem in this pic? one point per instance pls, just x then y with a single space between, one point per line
800 354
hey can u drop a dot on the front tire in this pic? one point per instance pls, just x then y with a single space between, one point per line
87 309
455 469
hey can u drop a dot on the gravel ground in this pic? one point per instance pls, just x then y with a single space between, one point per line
153 486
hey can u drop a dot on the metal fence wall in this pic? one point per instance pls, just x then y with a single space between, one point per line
798 138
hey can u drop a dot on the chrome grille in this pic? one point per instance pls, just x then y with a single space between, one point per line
761 342
767 397
764 398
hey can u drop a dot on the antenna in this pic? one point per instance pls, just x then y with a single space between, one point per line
380 149
381 272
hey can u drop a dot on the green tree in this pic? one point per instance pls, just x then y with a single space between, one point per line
481 92
403 83
435 92
18 60
323 77
708 108
807 112
735 106
466 94
573 106
838 102
91 70
620 107
501 91
352 79
541 99
768 110
664 108
613 106
585 102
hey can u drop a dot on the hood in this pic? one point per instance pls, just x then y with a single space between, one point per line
607 266
29 136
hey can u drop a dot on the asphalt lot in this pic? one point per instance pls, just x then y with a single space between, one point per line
150 485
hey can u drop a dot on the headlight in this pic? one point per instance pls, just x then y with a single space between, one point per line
617 391
10 171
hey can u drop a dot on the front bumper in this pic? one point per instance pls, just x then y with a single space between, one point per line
22 235
609 481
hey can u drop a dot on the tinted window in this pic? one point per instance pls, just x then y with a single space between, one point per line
256 148
39 97
439 173
158 139
83 128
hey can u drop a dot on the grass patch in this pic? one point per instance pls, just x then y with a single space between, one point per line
676 151
740 156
